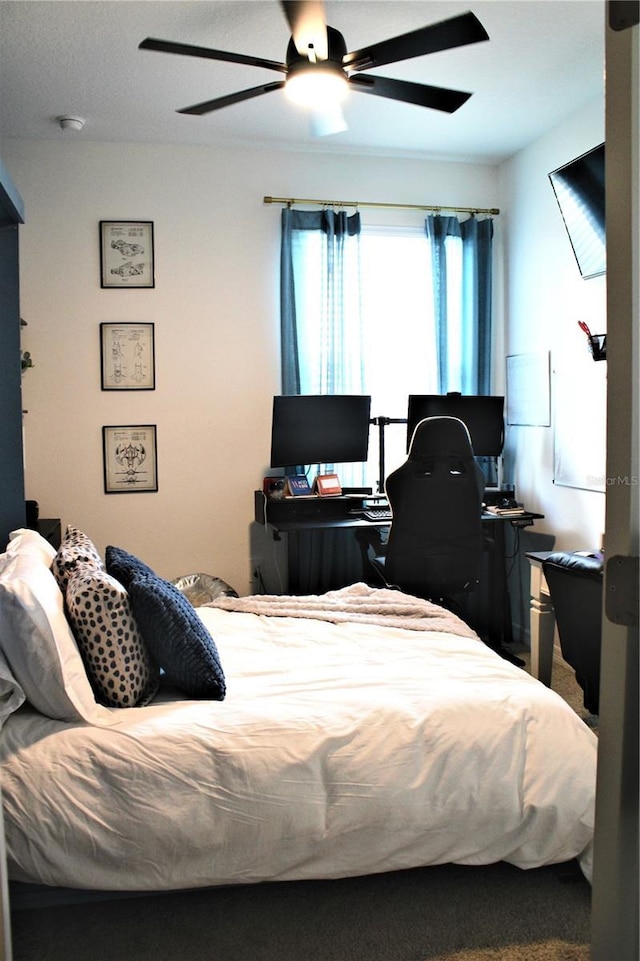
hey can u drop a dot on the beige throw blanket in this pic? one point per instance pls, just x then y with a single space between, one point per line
357 603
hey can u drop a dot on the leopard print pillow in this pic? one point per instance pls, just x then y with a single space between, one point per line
76 549
120 669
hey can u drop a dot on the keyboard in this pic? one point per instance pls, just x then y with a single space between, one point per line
377 514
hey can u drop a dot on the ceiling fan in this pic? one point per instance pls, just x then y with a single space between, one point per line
319 70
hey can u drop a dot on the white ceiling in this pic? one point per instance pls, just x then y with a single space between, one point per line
544 60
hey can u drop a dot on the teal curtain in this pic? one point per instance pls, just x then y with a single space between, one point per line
321 353
461 257
321 323
463 314
289 353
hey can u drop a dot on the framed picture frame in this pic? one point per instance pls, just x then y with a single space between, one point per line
130 459
127 356
126 253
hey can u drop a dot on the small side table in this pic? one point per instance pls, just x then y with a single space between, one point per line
50 529
542 619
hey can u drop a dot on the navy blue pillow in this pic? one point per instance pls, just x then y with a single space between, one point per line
176 637
122 565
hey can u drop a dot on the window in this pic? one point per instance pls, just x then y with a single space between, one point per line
385 311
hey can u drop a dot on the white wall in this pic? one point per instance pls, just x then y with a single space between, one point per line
544 297
216 312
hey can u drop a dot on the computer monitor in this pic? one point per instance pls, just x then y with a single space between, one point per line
484 417
320 429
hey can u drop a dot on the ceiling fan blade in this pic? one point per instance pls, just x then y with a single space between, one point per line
420 94
455 32
208 106
308 27
323 123
188 50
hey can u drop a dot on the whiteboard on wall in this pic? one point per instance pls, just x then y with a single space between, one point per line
528 391
580 426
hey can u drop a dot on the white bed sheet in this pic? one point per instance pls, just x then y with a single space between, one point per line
341 749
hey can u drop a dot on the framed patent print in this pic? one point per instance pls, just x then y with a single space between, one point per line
130 459
127 356
126 253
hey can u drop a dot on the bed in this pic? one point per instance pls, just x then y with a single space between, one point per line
356 732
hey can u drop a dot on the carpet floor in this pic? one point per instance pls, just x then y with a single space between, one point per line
444 913
563 682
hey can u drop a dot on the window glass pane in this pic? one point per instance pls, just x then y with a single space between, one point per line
308 252
399 331
453 247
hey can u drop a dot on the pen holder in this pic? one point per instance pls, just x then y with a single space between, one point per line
598 346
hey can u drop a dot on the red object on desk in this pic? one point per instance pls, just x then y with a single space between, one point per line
328 485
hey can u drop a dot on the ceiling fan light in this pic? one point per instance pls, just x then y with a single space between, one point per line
316 86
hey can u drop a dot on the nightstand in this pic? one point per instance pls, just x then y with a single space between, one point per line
542 619
50 529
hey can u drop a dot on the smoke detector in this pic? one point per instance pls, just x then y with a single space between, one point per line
70 123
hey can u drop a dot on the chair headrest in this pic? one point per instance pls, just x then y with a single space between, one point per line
440 435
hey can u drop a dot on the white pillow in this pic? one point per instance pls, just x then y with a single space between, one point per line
25 540
36 639
11 694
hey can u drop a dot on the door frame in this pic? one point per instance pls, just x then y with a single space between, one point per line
615 869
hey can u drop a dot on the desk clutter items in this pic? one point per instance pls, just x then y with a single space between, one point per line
273 488
597 342
506 507
327 485
297 486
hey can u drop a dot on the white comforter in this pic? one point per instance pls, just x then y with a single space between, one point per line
341 749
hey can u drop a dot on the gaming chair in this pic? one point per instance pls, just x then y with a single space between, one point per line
435 542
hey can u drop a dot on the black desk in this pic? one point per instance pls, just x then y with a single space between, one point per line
291 517
294 516
495 526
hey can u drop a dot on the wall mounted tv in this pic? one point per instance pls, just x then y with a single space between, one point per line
320 429
580 192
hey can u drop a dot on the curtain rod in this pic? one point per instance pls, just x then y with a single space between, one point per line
288 201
